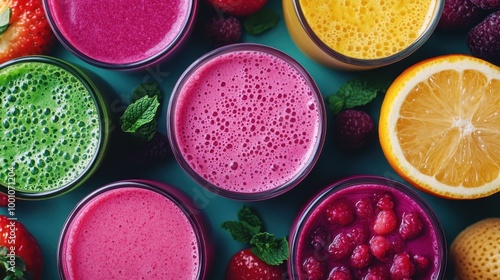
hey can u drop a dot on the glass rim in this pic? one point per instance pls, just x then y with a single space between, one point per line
307 210
417 43
247 196
173 195
103 126
185 30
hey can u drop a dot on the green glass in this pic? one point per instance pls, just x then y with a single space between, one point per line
54 127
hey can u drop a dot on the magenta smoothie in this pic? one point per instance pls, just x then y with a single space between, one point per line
247 122
131 232
366 228
120 33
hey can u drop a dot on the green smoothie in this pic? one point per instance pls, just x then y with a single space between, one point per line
52 126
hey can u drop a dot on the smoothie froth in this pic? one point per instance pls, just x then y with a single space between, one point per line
247 121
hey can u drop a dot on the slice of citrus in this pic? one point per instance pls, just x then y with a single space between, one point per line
439 126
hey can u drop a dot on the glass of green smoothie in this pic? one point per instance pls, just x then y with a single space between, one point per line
54 127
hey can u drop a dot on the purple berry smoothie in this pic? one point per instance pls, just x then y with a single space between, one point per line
134 231
330 234
120 33
246 121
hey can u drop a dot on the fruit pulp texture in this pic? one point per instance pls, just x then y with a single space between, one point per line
133 233
319 228
51 129
368 29
247 121
120 32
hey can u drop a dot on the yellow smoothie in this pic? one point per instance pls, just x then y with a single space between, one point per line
360 34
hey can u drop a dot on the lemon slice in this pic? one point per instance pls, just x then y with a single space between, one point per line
439 126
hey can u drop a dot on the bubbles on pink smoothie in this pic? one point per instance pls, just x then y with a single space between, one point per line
247 121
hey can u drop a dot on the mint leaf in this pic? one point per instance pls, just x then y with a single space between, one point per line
5 19
139 118
261 21
246 215
240 231
356 92
269 249
149 89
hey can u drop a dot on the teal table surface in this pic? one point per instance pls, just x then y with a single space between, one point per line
45 218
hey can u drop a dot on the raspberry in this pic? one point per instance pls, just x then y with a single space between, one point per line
150 152
483 39
411 226
385 222
320 239
422 263
402 267
377 272
340 212
340 273
458 15
365 208
487 4
359 235
313 269
354 129
223 31
361 256
341 247
385 201
379 247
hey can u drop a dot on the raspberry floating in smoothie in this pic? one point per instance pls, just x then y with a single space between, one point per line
367 228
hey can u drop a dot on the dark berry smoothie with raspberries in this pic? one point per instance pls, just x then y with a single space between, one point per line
367 228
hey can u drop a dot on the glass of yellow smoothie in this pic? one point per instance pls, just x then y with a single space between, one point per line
360 35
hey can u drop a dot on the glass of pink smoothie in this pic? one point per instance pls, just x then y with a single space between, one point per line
364 227
246 121
122 34
135 229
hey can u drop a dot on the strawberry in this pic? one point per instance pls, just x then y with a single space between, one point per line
240 8
245 265
484 39
221 31
24 29
458 15
20 252
354 129
265 260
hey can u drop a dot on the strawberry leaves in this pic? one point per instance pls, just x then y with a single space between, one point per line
248 229
5 19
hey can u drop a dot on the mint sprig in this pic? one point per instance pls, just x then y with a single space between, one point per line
356 92
140 117
149 88
5 16
248 229
261 21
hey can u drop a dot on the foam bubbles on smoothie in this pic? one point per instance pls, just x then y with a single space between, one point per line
247 121
41 109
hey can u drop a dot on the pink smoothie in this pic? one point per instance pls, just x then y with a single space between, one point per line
328 237
130 233
248 121
120 31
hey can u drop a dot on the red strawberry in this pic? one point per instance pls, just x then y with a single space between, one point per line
354 129
18 246
484 39
223 31
244 265
240 8
487 4
28 31
458 15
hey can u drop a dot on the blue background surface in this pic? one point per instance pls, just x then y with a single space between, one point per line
45 218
